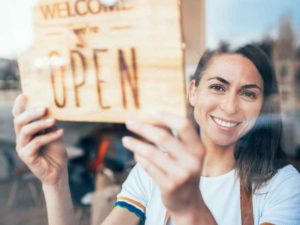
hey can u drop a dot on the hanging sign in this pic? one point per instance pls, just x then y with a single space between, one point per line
104 60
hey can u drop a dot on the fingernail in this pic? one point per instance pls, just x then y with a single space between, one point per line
49 121
131 124
125 140
60 131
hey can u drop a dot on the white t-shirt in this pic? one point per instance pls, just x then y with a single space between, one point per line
277 202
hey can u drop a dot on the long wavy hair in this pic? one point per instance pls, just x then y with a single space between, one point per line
258 153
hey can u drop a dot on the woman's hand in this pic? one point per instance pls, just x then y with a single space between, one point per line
173 162
43 152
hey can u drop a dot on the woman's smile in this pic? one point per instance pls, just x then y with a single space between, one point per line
224 124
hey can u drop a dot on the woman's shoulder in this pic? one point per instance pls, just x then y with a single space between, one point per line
287 178
287 173
279 199
289 169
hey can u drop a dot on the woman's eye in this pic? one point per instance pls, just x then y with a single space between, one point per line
217 87
249 94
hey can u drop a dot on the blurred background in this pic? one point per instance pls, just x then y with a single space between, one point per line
274 25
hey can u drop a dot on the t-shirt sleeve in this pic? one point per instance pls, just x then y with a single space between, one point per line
135 192
283 199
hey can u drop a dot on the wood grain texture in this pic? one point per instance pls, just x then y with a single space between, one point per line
93 63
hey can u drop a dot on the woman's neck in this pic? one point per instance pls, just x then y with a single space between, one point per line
218 159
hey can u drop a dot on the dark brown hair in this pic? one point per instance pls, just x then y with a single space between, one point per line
258 153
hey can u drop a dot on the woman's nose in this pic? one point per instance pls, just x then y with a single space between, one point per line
229 104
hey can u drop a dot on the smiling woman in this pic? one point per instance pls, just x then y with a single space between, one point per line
245 91
236 160
236 106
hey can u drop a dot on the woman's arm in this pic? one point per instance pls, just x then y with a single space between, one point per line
60 208
174 163
39 145
59 203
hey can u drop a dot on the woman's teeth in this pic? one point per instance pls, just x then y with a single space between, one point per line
224 123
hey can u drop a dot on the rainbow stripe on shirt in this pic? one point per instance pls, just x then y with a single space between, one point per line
133 206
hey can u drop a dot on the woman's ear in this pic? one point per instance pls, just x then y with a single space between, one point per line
192 92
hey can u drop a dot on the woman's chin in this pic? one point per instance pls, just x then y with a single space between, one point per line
223 142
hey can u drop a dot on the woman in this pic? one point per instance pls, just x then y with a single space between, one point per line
238 154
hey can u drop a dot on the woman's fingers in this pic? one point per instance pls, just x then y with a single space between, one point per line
157 135
28 131
147 151
154 158
29 153
180 125
158 176
27 117
183 154
187 156
19 105
182 128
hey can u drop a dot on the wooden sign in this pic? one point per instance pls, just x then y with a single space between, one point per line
105 60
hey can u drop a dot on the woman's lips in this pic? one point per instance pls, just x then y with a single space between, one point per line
224 123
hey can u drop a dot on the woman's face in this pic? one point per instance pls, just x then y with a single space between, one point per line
228 99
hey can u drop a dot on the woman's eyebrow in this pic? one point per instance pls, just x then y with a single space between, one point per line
220 79
246 86
250 86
